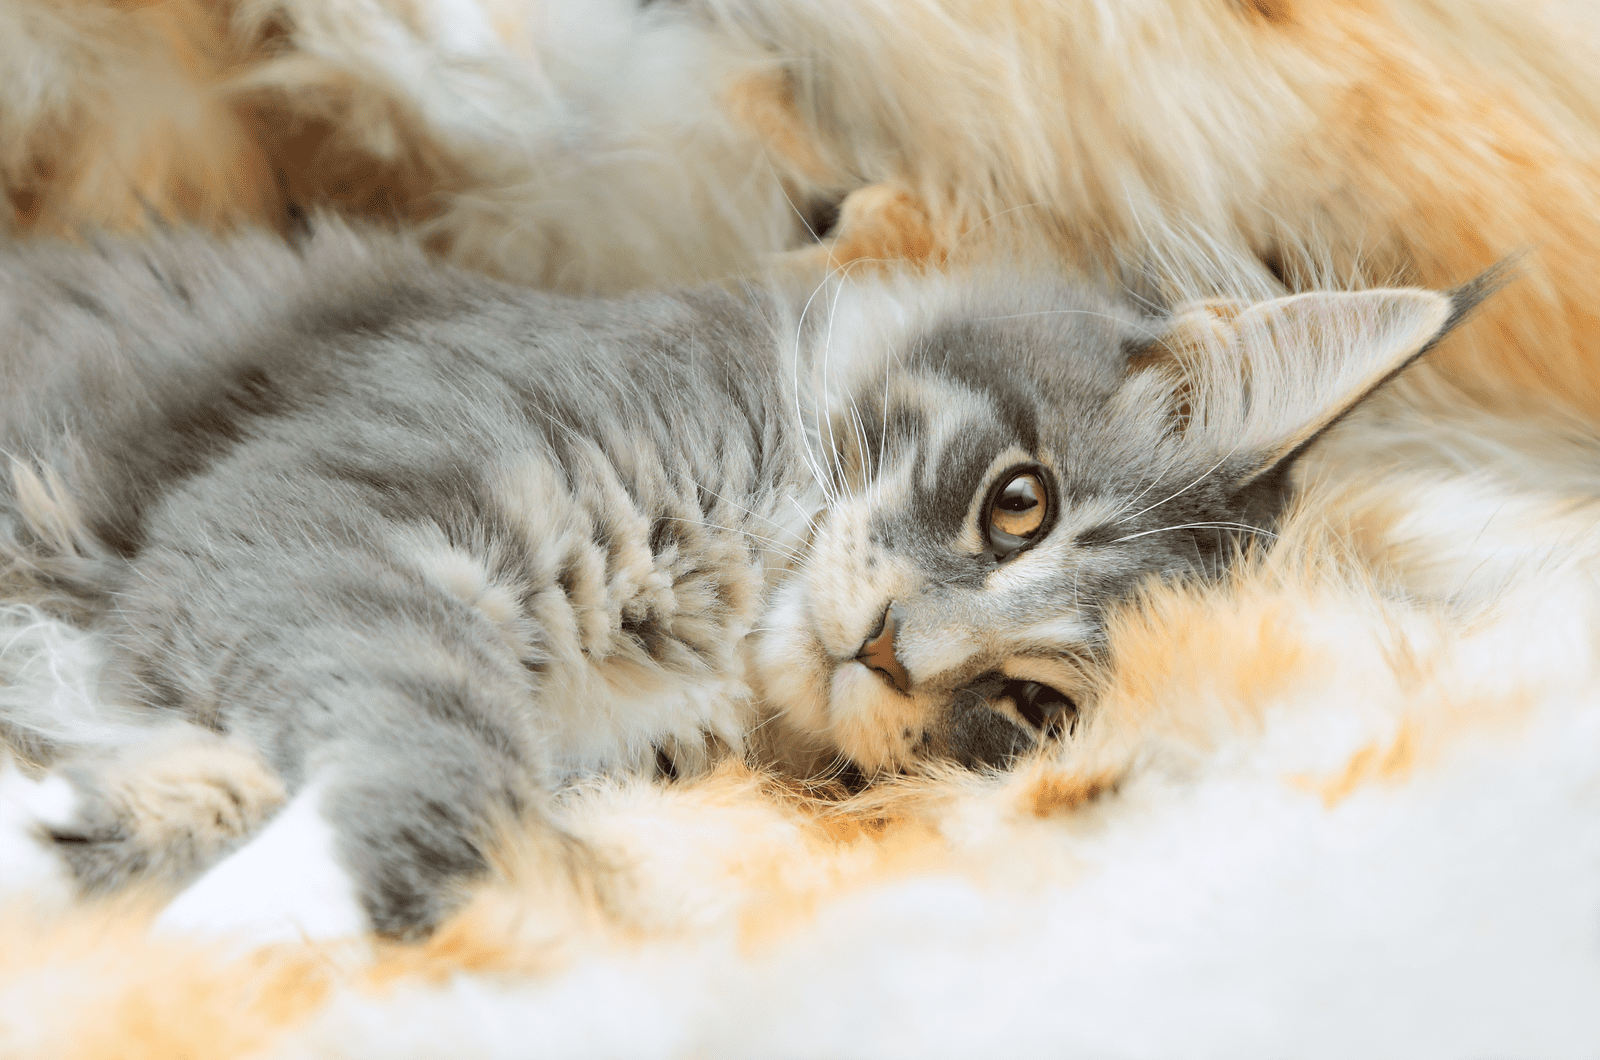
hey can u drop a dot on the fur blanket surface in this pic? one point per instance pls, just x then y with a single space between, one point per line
1345 803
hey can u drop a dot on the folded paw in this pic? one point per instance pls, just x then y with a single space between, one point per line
161 810
285 885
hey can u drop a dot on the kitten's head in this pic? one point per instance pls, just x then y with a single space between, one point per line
1003 463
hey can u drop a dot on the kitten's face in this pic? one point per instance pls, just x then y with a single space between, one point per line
998 480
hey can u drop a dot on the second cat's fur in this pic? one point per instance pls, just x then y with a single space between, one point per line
1418 141
577 145
409 548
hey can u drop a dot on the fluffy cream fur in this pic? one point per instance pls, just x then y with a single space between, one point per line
1411 141
112 116
575 144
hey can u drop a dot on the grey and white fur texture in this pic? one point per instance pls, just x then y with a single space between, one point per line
377 554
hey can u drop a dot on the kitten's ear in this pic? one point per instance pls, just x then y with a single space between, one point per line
1261 381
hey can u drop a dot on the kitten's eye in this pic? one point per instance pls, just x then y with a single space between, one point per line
1017 513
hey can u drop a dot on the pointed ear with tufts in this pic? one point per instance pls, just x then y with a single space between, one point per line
1260 382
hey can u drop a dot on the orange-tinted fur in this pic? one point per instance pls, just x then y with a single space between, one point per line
1415 141
588 147
113 116
148 112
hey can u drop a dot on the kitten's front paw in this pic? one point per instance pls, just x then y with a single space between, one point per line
286 885
163 809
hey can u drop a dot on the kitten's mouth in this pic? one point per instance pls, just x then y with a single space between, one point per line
1000 720
987 721
1051 713
1016 716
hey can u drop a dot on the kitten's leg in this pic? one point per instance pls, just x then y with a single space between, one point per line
339 651
402 781
393 823
161 810
388 834
286 884
418 804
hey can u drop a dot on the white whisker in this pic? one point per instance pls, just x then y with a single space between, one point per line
883 429
1193 526
701 486
766 156
861 441
812 523
1201 478
824 396
990 219
800 419
773 544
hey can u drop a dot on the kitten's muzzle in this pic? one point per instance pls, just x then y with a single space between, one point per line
877 653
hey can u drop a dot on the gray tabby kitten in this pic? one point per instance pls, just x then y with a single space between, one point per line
414 546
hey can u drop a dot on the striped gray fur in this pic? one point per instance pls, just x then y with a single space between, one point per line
438 544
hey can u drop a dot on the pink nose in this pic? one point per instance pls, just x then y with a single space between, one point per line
877 654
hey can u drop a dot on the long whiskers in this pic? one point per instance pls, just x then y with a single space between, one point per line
836 768
766 157
812 523
1171 496
859 428
799 413
772 543
1197 526
827 356
883 428
989 219
724 499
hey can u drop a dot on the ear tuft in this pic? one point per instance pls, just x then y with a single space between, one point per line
1262 381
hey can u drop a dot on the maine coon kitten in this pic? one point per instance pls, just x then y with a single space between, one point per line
408 547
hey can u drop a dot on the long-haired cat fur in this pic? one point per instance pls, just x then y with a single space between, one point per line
1413 141
113 115
420 546
605 147
579 145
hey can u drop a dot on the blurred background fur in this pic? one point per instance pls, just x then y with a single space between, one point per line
598 145
571 144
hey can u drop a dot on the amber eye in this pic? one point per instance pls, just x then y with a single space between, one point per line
1017 513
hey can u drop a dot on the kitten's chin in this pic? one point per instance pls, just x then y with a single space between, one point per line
844 726
821 710
789 671
874 726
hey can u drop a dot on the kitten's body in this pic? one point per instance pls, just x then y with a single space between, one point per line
360 523
424 545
